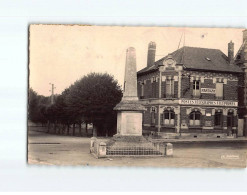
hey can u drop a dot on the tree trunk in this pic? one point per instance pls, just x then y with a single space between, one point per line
86 129
55 127
106 132
79 124
48 127
68 129
60 129
105 129
64 129
94 131
73 129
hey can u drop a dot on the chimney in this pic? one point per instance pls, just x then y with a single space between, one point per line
151 54
230 52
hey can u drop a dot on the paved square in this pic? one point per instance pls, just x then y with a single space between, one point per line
49 149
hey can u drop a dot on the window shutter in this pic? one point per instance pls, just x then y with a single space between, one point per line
219 90
161 119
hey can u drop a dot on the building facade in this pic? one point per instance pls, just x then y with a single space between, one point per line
190 92
240 60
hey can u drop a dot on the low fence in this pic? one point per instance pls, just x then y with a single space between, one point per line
100 149
133 151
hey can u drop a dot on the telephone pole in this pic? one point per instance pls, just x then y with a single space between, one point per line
52 92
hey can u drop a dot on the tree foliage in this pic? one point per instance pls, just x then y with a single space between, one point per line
90 99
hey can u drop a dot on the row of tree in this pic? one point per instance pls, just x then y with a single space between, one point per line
89 100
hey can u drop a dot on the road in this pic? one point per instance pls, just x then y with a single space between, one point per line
50 149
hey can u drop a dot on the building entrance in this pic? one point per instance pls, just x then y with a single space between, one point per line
229 122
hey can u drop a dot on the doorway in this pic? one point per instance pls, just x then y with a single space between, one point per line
229 122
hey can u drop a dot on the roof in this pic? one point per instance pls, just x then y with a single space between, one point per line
196 58
239 57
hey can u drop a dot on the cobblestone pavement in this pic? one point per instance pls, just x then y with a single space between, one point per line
51 149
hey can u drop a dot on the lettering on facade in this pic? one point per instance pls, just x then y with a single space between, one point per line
208 103
208 90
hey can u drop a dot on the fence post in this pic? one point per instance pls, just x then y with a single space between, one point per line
102 150
169 149
92 142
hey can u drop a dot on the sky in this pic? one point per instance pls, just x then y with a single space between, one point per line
62 54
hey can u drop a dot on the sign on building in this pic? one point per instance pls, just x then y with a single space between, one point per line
208 102
208 90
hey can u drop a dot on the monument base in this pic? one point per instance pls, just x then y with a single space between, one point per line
120 145
126 140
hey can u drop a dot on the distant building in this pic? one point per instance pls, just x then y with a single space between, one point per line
240 60
192 92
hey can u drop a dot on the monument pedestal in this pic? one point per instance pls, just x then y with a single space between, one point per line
129 123
129 118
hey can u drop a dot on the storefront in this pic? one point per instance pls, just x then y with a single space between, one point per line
194 97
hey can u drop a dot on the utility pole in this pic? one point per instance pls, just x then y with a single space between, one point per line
52 92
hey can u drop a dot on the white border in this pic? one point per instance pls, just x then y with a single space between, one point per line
15 174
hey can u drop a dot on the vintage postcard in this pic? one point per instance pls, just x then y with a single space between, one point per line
137 96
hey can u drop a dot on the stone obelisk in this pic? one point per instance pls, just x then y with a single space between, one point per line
129 116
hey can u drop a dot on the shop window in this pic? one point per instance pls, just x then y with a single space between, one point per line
195 118
218 119
169 117
169 88
196 89
219 90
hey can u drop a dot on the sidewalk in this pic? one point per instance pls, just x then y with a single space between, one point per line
201 140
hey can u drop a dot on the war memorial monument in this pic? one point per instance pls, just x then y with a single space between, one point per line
129 140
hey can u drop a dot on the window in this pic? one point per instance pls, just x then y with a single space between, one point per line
219 90
153 116
169 88
195 118
196 88
142 90
169 117
154 86
218 119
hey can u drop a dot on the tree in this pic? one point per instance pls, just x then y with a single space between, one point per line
32 105
93 98
36 107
